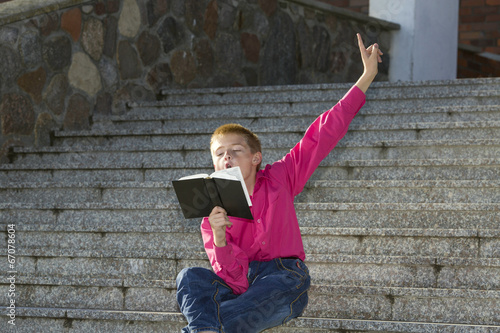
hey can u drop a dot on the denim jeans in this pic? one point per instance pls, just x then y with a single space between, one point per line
277 293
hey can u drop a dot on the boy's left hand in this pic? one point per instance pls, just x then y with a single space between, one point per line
370 56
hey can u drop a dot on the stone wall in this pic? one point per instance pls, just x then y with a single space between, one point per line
361 6
60 68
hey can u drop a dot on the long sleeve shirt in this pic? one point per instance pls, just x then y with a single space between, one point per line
274 232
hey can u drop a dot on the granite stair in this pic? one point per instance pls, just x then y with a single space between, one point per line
401 222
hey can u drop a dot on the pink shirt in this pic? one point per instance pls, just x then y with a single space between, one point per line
274 232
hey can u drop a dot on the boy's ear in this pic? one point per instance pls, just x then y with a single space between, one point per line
257 158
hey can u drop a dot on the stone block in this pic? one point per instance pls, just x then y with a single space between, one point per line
116 268
26 265
445 310
205 57
126 326
130 19
228 53
392 246
281 44
110 36
30 48
69 297
9 35
55 94
78 114
120 244
155 10
376 307
71 21
171 34
482 278
211 19
404 192
30 324
110 75
41 195
149 47
128 61
251 46
93 38
357 274
84 75
33 83
490 247
150 299
183 67
17 114
194 15
57 52
44 126
269 7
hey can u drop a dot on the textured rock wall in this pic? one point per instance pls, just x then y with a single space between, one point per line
60 68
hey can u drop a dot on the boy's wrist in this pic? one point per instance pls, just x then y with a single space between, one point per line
220 240
365 80
220 244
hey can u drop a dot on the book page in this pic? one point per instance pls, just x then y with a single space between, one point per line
199 175
233 173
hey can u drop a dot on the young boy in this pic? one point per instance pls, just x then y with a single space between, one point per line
259 278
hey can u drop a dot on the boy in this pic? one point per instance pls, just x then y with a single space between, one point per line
260 279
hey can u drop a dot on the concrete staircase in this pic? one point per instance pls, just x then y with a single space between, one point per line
401 223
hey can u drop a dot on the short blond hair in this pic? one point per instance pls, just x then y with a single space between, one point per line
251 139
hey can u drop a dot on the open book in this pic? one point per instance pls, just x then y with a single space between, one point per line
199 194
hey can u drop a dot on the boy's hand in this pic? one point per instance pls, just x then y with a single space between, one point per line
370 56
219 221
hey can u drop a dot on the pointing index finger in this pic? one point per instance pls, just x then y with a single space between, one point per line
360 42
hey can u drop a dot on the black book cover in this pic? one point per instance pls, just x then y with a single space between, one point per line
198 196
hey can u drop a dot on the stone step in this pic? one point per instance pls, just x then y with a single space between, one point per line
300 104
405 304
424 91
325 269
121 217
357 302
262 118
187 158
107 321
411 169
97 227
487 191
444 243
291 132
353 191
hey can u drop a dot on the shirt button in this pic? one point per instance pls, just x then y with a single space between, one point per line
263 243
258 221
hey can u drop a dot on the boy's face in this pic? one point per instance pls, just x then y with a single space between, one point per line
231 150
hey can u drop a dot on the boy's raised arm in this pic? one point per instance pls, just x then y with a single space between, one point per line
371 58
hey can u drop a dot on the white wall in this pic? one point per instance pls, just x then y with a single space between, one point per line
426 46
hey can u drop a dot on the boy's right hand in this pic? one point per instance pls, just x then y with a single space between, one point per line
219 221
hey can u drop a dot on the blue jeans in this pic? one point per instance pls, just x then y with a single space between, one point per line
277 293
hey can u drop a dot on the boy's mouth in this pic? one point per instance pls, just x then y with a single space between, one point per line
228 166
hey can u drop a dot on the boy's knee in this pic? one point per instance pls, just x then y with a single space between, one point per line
191 273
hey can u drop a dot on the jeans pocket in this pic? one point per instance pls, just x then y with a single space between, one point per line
302 267
298 271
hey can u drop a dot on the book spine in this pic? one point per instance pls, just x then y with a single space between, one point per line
213 192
